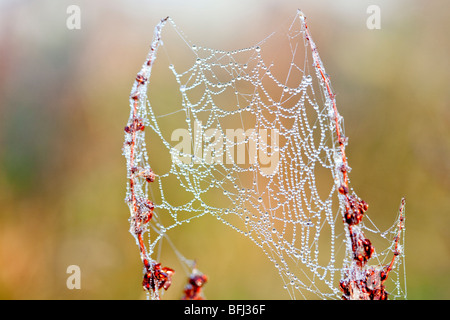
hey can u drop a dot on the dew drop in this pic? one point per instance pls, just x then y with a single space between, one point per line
308 79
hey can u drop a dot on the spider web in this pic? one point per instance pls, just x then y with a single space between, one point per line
248 136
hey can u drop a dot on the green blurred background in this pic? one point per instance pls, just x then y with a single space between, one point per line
64 103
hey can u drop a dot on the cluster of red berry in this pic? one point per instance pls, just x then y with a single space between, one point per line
193 290
156 277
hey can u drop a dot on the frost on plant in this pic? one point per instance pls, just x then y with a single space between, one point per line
254 138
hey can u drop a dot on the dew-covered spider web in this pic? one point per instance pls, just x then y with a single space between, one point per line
253 138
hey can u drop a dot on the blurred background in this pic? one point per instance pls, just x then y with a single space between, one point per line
64 103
